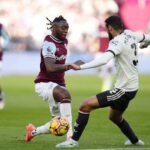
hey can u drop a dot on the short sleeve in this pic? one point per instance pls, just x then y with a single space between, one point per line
48 49
114 47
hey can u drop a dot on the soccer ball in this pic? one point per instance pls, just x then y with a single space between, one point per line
59 126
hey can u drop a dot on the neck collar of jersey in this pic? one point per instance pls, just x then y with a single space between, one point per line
56 39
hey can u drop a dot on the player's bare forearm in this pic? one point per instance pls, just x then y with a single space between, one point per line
74 67
52 67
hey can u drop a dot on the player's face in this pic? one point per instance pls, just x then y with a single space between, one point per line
61 30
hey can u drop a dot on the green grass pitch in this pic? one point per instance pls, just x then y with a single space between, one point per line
24 106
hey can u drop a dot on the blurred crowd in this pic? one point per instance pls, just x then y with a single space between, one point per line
26 21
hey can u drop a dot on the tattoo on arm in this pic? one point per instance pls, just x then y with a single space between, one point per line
52 67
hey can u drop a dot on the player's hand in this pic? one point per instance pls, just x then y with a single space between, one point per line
74 67
67 67
144 45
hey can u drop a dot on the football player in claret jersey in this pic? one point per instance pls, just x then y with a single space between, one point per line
6 39
50 83
123 48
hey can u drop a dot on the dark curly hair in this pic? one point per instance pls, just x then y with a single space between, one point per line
56 20
115 22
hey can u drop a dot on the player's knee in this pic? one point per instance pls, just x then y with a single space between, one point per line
85 107
114 119
111 118
65 97
62 95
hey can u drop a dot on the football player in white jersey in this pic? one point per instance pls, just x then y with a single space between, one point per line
123 48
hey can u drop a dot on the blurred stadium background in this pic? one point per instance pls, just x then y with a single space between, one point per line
25 21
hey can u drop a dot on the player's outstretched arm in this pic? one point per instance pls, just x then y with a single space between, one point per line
52 67
104 59
99 61
74 67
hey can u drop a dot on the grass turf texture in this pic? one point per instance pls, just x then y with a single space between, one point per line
24 106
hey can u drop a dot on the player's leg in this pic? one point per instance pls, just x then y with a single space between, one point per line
81 122
118 105
33 131
59 101
45 90
116 117
92 103
62 96
83 116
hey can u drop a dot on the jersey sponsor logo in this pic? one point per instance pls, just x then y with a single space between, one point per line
128 38
114 42
62 57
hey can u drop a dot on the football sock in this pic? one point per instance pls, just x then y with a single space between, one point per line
44 129
65 110
126 129
80 125
55 111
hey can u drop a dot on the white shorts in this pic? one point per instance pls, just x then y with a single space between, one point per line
45 90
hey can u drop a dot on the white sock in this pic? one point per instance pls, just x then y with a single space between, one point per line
65 110
44 129
55 109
